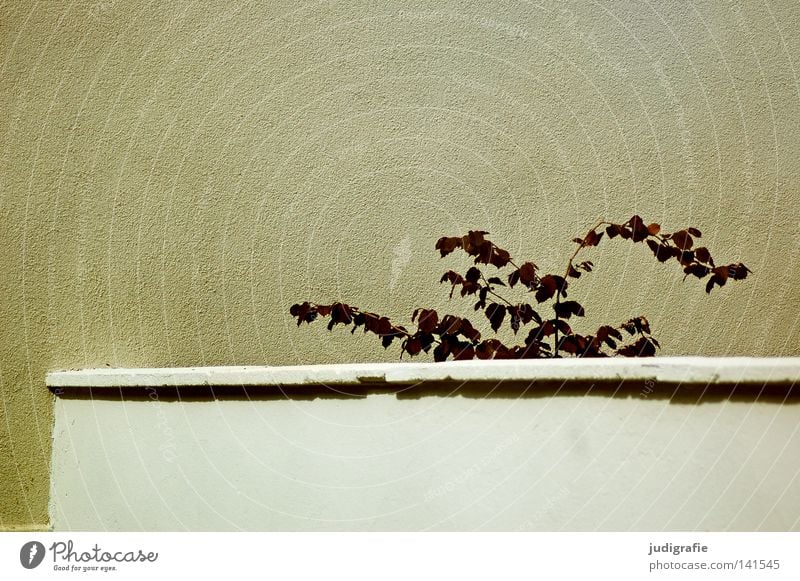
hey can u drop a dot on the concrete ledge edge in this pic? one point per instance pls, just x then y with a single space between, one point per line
675 370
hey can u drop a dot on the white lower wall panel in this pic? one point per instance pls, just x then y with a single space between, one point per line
434 463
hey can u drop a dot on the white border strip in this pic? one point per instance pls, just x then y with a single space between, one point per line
680 370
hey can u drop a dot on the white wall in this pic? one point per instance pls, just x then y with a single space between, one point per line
437 463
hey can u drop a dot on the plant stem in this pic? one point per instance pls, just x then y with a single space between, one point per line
490 291
566 275
558 299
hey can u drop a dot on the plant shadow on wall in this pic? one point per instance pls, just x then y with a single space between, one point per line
550 334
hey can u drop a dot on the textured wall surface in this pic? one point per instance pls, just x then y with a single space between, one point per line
175 175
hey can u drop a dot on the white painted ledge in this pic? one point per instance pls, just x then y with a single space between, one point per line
669 370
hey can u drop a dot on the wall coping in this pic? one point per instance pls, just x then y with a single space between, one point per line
689 371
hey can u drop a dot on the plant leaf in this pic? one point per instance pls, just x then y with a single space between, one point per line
568 308
428 319
495 313
445 245
682 240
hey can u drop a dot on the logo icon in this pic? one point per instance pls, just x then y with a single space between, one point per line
31 554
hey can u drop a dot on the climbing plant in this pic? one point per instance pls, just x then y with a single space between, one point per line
546 311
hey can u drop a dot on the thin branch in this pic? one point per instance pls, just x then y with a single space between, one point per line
490 291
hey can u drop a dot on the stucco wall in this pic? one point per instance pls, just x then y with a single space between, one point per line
175 175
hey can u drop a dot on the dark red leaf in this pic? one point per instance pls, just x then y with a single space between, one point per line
614 230
428 319
547 289
643 347
486 349
499 257
371 322
662 251
358 320
412 345
503 352
484 252
686 257
473 274
643 324
637 325
698 270
341 313
492 349
495 313
481 304
722 272
608 331
464 353
513 319
522 314
738 271
469 288
304 312
384 326
638 229
682 240
536 334
441 352
549 285
473 242
592 238
562 326
575 344
703 255
449 325
445 245
527 274
568 308
470 332
452 276
531 351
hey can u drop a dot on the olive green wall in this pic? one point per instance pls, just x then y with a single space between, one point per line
175 175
